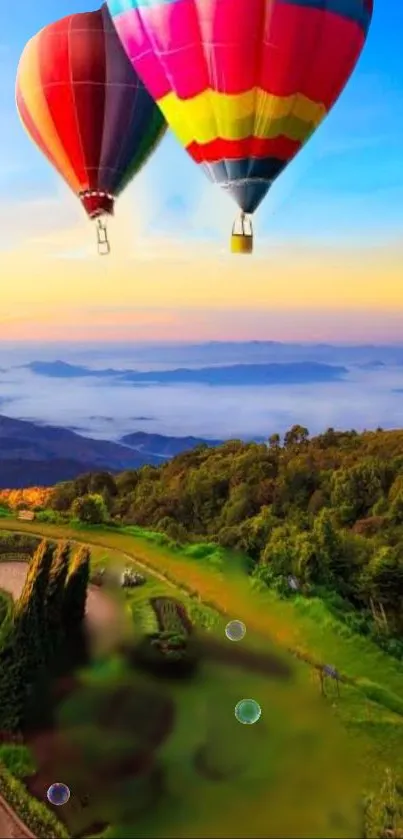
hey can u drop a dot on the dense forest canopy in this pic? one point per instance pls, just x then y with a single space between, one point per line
327 509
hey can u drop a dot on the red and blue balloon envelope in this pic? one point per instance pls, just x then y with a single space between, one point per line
243 83
84 106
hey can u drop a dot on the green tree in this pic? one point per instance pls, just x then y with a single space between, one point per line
316 502
296 436
127 481
240 506
62 497
252 535
384 581
356 490
396 487
89 509
100 482
341 555
75 591
296 485
279 556
328 547
55 599
32 597
12 684
30 637
396 508
173 529
308 567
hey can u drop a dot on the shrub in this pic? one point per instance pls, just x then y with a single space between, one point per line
383 811
17 759
49 516
35 815
89 509
145 618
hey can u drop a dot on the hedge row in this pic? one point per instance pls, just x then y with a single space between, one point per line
32 813
14 557
6 612
145 618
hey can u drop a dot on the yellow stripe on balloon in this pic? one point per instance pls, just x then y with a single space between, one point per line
236 117
35 102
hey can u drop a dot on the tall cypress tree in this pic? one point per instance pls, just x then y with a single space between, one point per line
12 684
54 602
75 592
30 635
74 606
32 597
30 608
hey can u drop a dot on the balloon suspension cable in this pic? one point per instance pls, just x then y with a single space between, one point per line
242 234
247 224
102 237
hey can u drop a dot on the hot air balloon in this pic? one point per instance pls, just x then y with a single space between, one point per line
243 83
84 106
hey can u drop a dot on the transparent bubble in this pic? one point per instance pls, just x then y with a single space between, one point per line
58 794
235 630
248 711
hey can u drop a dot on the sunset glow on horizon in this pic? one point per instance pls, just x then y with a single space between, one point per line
181 292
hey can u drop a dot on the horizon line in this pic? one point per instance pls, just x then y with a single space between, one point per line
200 342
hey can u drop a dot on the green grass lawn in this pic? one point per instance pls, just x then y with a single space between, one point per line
295 718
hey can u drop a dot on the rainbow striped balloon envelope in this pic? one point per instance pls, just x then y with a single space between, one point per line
86 109
243 83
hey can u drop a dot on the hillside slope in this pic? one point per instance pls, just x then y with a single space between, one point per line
328 511
42 455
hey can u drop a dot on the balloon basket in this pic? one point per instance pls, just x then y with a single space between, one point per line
102 237
242 235
241 244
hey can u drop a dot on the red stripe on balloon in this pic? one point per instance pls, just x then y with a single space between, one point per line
281 147
34 133
55 73
308 51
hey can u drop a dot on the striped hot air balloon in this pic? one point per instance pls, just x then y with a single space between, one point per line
84 106
243 83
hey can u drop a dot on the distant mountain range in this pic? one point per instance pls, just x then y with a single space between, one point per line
235 375
162 447
41 455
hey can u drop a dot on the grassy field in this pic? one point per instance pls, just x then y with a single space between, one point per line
294 720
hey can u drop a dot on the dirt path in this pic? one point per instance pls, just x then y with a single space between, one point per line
127 557
101 610
11 827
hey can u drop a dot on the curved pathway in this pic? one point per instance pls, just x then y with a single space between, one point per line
11 827
101 610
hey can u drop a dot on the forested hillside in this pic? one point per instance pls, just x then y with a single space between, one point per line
328 510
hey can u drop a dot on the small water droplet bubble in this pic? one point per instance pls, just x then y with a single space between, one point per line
248 711
58 794
235 630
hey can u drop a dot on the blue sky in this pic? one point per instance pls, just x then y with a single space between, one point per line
346 185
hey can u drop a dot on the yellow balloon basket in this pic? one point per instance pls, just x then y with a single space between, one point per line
242 235
241 244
